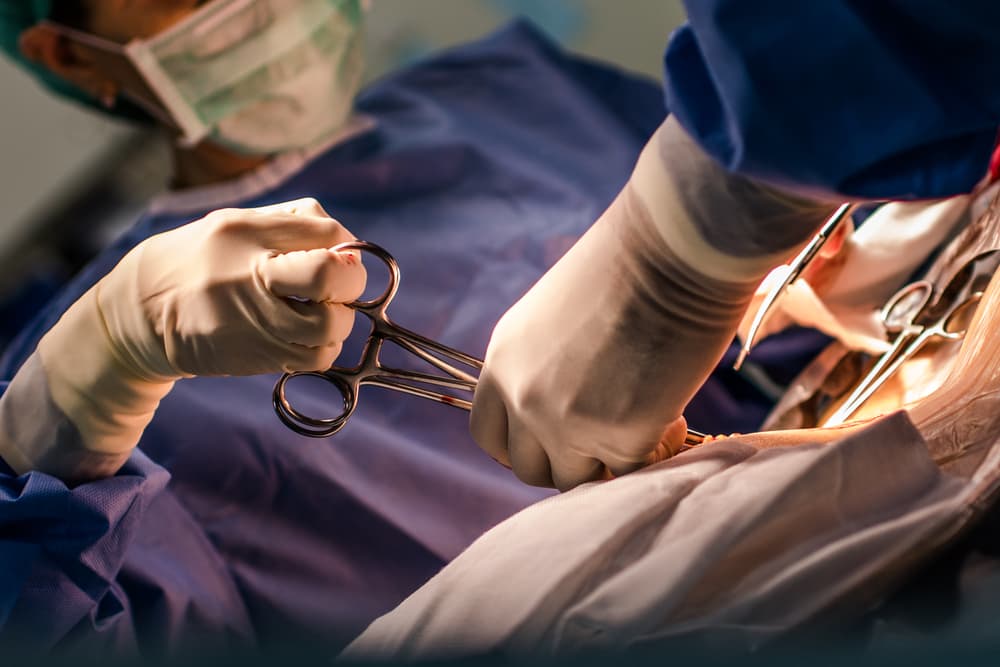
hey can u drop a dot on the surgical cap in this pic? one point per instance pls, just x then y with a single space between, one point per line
16 16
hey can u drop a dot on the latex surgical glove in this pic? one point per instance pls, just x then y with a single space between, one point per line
238 292
590 371
843 290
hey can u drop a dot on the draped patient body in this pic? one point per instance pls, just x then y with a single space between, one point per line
738 540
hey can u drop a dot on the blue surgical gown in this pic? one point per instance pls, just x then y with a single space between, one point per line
484 165
882 99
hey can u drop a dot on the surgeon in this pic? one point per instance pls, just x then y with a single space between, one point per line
137 519
779 111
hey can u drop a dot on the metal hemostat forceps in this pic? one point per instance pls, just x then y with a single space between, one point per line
914 317
370 370
798 265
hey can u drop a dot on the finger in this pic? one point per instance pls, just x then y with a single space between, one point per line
321 275
272 352
312 324
831 256
528 459
282 232
282 227
571 470
674 437
670 443
302 358
622 467
307 206
838 240
488 420
301 224
276 230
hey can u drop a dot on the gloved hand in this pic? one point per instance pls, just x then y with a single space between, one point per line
844 288
238 292
590 371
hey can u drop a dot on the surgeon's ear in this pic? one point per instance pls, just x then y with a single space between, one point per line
43 45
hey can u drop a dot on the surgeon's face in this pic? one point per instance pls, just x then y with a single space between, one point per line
115 20
123 20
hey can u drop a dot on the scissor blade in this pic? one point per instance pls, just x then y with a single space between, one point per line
911 349
872 380
798 265
974 275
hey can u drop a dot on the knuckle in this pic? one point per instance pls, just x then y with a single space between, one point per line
214 216
303 207
310 206
502 332
227 221
222 215
336 233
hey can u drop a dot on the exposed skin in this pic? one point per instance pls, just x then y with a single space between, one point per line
121 21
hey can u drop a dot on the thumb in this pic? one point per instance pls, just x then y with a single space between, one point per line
320 275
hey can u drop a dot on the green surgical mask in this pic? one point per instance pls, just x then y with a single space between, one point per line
257 76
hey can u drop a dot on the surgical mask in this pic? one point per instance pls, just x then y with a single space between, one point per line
256 76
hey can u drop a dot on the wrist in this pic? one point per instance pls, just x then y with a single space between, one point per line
99 389
36 435
133 335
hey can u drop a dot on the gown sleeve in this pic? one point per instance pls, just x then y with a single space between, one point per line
62 545
884 99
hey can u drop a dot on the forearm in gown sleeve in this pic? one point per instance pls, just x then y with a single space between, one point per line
208 298
588 368
35 433
894 99
61 546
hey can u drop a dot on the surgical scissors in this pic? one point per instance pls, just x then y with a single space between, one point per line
910 315
797 266
370 370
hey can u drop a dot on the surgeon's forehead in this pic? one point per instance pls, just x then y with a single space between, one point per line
123 20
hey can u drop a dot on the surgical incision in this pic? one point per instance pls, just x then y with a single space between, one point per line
949 385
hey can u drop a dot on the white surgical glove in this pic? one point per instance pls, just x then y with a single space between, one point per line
846 285
590 371
238 292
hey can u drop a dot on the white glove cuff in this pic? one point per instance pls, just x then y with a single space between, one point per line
720 225
36 435
101 395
